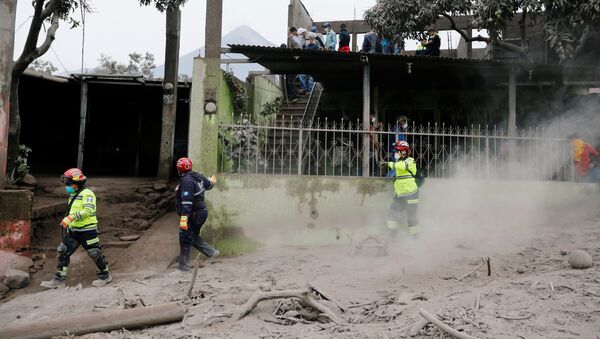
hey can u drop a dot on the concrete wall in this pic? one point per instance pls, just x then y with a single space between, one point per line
298 16
261 91
322 210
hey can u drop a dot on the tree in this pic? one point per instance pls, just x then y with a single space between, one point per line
46 12
169 110
42 66
138 64
567 24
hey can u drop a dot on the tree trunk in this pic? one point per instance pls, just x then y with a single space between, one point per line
14 130
169 110
8 10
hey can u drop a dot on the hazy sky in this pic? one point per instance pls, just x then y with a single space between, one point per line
118 27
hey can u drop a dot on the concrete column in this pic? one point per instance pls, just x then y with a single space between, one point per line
169 108
354 42
82 122
206 81
366 115
8 10
512 102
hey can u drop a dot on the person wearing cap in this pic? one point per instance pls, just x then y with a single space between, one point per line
433 43
330 38
302 36
318 37
344 39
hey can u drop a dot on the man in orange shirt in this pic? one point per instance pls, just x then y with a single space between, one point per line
586 167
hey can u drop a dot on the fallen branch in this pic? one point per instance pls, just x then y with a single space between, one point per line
507 317
428 316
418 326
327 296
193 280
97 322
303 295
473 271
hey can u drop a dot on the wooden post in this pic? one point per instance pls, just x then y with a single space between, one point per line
354 42
82 121
8 10
366 115
169 109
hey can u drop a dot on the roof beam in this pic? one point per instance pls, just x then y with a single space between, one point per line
361 27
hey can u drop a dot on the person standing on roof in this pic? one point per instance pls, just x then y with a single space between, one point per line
433 43
80 228
189 200
406 191
344 39
371 43
330 38
320 39
294 40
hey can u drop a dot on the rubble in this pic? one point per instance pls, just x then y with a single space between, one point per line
580 259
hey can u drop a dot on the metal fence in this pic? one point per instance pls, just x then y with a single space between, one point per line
336 149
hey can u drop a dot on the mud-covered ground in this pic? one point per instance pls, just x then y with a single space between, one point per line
531 292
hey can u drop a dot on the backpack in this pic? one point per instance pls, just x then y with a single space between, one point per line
419 178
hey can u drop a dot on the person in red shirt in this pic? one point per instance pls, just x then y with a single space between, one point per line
586 166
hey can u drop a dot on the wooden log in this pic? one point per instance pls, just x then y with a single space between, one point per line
96 322
440 324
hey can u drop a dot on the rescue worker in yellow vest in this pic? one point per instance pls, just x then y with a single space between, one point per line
80 227
406 197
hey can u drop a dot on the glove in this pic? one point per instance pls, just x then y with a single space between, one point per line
383 163
213 179
66 221
183 222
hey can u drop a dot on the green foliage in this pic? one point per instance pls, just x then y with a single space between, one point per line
163 5
241 143
272 108
240 99
138 64
565 21
42 66
21 167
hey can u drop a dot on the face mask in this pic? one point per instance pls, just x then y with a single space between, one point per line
69 189
405 126
396 156
373 120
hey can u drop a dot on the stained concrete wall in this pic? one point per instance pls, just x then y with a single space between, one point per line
298 16
15 220
322 210
261 91
203 129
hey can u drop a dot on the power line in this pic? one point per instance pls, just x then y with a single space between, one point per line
59 61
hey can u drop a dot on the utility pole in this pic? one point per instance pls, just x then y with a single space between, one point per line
169 109
8 10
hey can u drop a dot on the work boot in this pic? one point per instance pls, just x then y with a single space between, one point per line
54 283
102 280
216 253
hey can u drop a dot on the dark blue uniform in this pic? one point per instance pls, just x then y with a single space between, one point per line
189 199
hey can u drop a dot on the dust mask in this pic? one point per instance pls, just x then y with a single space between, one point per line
396 156
405 126
69 189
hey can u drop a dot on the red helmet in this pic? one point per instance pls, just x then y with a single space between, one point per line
402 146
73 176
184 165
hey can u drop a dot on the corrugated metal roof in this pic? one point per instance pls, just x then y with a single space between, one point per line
345 69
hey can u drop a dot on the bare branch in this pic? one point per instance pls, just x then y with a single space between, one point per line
462 33
582 40
50 35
